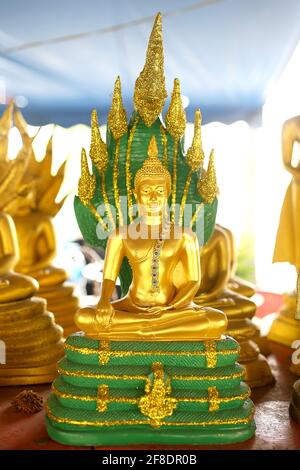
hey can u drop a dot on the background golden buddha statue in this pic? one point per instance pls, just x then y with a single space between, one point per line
33 213
216 268
159 304
286 328
32 340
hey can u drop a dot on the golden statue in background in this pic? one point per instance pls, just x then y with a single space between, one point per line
159 304
217 264
286 327
33 342
33 213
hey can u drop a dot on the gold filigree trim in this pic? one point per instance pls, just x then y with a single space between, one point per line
134 422
207 185
115 183
104 353
102 398
117 119
195 154
157 402
213 399
174 180
112 353
133 401
184 196
87 181
197 212
211 353
98 216
164 141
150 90
82 373
106 201
128 168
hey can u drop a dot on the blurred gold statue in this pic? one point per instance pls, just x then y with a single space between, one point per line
286 327
217 264
33 341
33 215
159 308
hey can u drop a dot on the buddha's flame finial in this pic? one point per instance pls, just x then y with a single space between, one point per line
87 182
195 154
150 90
175 117
207 185
117 119
152 149
98 149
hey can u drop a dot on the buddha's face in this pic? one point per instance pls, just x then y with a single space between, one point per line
152 195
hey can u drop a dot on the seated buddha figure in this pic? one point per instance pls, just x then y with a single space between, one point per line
155 307
33 341
216 268
33 216
12 286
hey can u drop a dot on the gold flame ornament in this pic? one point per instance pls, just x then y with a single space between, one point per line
117 119
207 185
150 90
87 181
195 154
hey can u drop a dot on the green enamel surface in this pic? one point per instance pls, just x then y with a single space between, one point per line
86 220
115 437
74 397
166 352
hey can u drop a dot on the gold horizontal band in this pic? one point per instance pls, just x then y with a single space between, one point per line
88 351
135 400
134 422
82 373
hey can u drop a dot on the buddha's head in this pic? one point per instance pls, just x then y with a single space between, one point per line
152 184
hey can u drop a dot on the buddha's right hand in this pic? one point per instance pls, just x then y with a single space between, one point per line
104 314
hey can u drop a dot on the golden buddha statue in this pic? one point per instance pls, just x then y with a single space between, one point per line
37 242
216 267
286 327
152 366
162 309
33 342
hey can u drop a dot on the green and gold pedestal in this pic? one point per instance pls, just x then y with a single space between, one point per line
149 393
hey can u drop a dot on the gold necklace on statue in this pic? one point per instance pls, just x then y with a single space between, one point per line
165 231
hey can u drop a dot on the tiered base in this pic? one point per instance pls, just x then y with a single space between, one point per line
149 393
33 343
285 329
59 296
257 370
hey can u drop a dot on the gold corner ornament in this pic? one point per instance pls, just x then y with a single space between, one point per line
98 149
175 117
207 185
102 398
150 90
195 154
87 181
104 352
157 403
117 119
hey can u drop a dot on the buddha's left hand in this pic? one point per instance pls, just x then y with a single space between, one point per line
157 309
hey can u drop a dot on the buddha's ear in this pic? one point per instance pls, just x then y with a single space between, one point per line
134 192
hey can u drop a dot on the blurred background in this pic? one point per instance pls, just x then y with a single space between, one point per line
238 60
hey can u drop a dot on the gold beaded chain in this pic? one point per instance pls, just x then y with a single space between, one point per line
156 255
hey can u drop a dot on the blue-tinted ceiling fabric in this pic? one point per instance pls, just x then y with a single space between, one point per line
225 54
